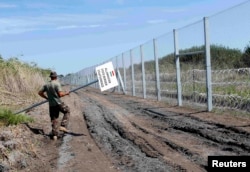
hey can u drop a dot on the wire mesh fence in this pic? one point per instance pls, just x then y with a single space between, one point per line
204 64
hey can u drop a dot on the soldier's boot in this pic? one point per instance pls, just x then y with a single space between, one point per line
55 129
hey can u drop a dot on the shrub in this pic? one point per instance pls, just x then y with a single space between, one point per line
9 118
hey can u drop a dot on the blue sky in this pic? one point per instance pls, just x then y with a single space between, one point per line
69 35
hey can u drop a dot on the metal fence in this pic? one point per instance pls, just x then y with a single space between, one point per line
178 67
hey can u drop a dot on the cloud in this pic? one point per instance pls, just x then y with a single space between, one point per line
120 2
4 5
113 18
157 21
75 18
14 25
79 26
173 10
37 5
67 27
121 24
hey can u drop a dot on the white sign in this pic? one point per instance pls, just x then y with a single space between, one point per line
106 76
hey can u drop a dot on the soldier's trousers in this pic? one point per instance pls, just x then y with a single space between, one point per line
54 115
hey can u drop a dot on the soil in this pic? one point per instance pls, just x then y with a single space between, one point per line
110 132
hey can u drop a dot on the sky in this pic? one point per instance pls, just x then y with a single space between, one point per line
70 35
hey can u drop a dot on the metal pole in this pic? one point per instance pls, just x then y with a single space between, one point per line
121 82
143 73
117 69
157 75
132 73
178 73
208 65
32 106
124 72
45 101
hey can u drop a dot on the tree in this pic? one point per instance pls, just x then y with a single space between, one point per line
246 56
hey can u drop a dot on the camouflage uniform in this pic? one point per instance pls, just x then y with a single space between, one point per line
56 105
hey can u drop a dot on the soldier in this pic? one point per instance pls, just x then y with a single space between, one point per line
53 94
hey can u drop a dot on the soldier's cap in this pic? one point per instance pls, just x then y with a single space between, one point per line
53 74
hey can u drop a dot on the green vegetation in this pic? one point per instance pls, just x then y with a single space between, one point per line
19 84
246 56
221 58
8 118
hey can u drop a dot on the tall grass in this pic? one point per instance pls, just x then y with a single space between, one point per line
20 83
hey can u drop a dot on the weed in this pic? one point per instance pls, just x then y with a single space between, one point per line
9 118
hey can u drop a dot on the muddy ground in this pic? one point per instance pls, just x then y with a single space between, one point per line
112 132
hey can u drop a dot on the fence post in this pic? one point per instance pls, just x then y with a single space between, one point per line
143 73
124 73
132 73
117 68
178 72
208 65
158 89
87 77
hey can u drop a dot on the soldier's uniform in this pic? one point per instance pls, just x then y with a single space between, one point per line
56 105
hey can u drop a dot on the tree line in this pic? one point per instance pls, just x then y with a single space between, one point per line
221 58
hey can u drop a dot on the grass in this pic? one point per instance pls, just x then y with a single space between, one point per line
20 83
7 117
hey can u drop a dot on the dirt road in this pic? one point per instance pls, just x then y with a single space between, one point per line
142 135
112 132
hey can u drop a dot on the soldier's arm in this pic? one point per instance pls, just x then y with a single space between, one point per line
60 92
63 93
41 93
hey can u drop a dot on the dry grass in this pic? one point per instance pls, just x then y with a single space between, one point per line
20 83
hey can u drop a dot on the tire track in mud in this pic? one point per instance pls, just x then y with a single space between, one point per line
151 151
227 137
109 135
148 138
